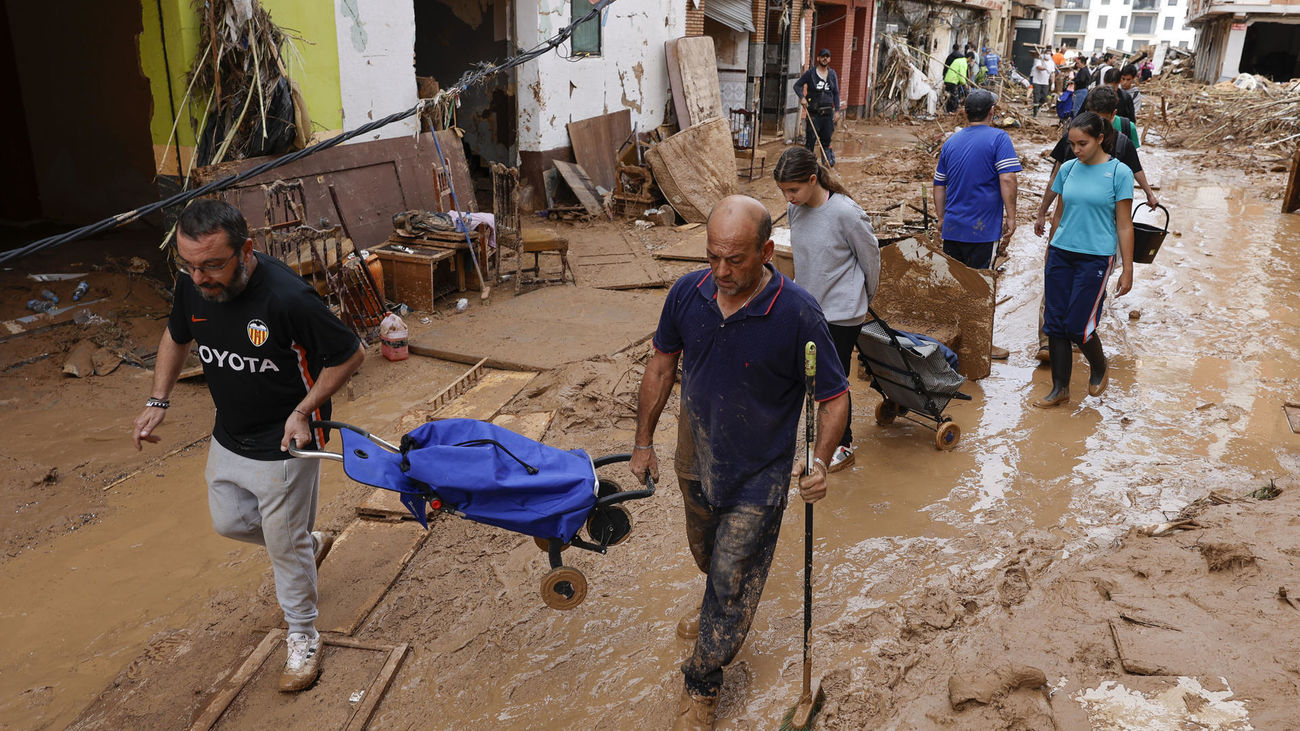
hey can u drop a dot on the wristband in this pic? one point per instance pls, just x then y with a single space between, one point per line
818 461
157 403
296 411
638 446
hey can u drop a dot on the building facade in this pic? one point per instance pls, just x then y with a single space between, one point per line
1253 38
1093 26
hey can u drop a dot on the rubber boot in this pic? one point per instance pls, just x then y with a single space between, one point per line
1062 362
1099 378
688 627
695 712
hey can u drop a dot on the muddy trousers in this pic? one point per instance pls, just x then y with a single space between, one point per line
824 126
272 504
733 546
845 337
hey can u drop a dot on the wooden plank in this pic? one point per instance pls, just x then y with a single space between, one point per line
236 681
532 425
375 180
493 391
1291 198
458 386
461 182
595 143
364 562
691 248
699 70
1292 412
370 701
680 108
695 168
580 183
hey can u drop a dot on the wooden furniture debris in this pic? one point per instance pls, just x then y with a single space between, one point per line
418 275
375 179
695 168
744 138
595 143
576 178
523 241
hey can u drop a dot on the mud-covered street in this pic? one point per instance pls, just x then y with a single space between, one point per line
1021 547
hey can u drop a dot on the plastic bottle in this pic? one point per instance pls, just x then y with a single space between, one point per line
82 288
47 294
392 338
40 305
462 304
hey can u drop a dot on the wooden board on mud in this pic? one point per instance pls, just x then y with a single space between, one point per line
358 570
595 143
695 168
543 328
615 262
580 183
356 676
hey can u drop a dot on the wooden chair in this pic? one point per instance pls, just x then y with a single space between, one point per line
745 138
510 233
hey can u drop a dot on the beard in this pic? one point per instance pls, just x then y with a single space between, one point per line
226 292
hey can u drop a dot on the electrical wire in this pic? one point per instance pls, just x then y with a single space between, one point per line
470 78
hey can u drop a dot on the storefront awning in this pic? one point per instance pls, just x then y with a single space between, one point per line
735 14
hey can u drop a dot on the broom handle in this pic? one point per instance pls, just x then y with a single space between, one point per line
810 434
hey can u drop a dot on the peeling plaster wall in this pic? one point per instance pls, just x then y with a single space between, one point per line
630 72
376 41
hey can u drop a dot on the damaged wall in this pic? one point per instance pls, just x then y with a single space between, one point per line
630 72
376 69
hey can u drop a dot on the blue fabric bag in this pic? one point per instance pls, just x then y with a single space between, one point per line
483 472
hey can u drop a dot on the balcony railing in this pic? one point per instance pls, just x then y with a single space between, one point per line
1146 6
1073 4
1142 25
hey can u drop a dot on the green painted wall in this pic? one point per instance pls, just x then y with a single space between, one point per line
314 64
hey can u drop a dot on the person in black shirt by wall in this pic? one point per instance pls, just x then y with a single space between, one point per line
273 354
819 94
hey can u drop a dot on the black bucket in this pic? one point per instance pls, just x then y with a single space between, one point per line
1147 238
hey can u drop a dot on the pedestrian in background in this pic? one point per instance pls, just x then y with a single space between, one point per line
975 190
1092 225
836 258
819 95
954 82
1041 77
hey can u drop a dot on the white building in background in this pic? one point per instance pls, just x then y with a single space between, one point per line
1095 25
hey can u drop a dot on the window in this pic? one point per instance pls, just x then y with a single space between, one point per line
1101 21
586 37
1169 23
1182 44
1119 45
1069 22
1098 44
1172 3
1143 25
1123 21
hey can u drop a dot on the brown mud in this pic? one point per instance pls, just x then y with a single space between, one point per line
1015 549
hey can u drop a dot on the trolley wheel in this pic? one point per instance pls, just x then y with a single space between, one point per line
886 412
544 544
609 526
947 436
564 588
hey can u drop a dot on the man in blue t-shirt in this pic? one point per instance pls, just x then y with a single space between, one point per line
739 329
974 185
991 61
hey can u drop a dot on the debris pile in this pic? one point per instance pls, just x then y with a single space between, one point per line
903 88
1250 110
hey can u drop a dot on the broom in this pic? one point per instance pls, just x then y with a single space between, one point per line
810 702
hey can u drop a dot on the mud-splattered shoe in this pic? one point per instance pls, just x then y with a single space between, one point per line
695 712
303 665
997 353
843 458
688 627
1055 398
1043 355
1096 389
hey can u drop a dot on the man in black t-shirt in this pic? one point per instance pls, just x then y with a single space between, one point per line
819 94
273 355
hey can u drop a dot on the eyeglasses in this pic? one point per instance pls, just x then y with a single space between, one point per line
185 267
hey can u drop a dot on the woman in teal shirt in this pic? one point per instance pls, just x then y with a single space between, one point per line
1093 223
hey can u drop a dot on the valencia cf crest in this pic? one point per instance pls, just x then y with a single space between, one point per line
258 332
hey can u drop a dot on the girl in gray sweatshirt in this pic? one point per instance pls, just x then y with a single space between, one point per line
836 257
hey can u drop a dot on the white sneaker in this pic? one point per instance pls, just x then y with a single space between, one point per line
303 665
842 458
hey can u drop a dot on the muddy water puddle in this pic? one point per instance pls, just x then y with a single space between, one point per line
1194 405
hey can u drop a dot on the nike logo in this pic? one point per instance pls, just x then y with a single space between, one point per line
198 319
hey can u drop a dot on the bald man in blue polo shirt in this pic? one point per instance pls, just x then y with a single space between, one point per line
739 329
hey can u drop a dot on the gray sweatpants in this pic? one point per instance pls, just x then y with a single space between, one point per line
272 504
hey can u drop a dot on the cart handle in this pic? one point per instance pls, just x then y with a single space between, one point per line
334 456
623 496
